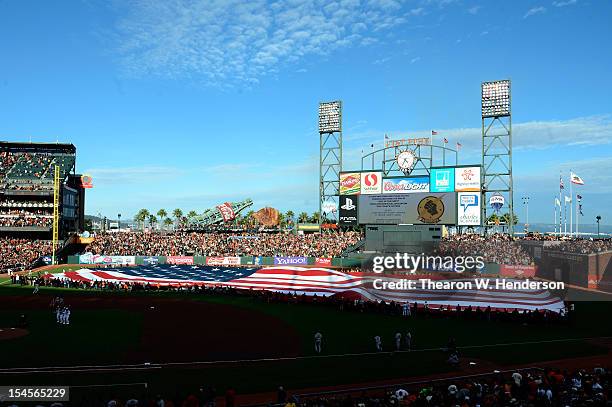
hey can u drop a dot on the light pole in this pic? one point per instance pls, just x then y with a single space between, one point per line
598 219
119 222
526 203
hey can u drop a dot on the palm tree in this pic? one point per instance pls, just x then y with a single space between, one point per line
162 214
178 214
315 217
303 217
281 220
152 221
142 217
167 222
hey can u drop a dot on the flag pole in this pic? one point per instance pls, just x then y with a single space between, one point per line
555 217
560 183
571 205
564 216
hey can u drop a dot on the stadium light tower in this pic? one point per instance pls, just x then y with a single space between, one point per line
497 144
330 158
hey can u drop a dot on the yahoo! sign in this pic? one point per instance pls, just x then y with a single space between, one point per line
291 260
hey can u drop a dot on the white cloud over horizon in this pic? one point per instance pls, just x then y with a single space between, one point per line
229 42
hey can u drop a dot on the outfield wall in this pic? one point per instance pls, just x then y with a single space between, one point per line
218 261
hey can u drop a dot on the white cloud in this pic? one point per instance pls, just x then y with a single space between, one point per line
474 10
229 42
564 3
132 175
535 10
415 60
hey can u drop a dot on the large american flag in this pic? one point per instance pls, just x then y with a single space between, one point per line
319 281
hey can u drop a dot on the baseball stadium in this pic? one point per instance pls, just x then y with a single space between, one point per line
406 278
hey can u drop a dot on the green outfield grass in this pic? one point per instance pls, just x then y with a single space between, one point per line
104 336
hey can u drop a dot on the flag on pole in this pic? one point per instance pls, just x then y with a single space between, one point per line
459 145
575 179
568 199
579 196
386 137
580 209
434 133
557 202
445 140
561 186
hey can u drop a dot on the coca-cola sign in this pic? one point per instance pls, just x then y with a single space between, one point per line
227 212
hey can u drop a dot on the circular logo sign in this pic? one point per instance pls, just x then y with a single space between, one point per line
430 209
371 180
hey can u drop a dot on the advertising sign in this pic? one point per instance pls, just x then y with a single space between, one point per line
418 209
89 258
467 179
86 181
150 261
329 207
291 260
468 209
223 261
227 212
323 261
517 271
348 210
179 260
371 182
442 180
350 183
405 185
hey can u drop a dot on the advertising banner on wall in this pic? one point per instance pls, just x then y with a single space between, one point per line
323 261
349 210
442 180
517 271
223 261
405 185
89 258
291 260
350 183
179 260
467 179
371 182
468 209
150 261
420 209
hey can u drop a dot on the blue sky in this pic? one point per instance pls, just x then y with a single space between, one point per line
191 103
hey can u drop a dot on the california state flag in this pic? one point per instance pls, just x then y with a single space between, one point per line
575 179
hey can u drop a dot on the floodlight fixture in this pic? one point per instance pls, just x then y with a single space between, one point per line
330 117
496 98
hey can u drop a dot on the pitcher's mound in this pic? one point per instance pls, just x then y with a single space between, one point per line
12 333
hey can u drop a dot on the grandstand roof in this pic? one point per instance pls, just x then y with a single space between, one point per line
68 148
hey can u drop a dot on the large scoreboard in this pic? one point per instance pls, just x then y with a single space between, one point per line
447 196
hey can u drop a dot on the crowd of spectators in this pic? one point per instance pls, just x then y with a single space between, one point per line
497 248
550 387
222 244
18 254
534 387
14 217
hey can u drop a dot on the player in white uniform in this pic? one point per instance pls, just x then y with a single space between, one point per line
408 340
318 338
378 343
67 315
398 341
58 315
